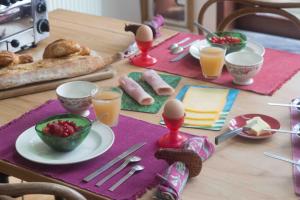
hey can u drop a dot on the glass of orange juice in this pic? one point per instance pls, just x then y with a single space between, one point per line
107 105
212 60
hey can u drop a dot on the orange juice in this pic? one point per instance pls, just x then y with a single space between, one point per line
107 105
212 61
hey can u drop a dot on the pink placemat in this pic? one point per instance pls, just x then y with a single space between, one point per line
295 119
128 132
278 67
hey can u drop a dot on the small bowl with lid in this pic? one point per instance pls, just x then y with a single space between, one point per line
76 96
243 66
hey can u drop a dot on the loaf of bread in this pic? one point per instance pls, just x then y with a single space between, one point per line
51 69
61 59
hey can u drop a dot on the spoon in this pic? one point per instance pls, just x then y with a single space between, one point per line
204 29
281 158
180 49
134 169
130 159
176 45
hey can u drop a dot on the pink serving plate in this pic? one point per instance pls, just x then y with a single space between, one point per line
240 121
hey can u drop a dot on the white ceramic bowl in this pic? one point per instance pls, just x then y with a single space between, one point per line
243 66
76 96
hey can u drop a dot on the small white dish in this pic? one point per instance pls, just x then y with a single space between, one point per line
250 47
76 96
243 66
31 147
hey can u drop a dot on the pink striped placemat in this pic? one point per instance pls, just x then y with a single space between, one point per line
295 119
278 67
128 132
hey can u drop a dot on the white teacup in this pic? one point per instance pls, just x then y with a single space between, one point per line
243 66
76 96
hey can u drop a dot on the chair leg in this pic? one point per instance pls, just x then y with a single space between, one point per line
3 178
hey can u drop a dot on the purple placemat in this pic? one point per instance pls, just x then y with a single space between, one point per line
295 119
128 132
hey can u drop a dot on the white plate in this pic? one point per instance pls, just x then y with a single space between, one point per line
251 46
31 147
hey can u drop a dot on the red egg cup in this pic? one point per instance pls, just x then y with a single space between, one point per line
173 139
144 59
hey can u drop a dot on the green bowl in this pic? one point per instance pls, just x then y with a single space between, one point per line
65 143
230 47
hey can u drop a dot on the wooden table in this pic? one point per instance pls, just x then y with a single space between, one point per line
238 169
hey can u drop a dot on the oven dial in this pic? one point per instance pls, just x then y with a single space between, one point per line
15 43
41 7
43 26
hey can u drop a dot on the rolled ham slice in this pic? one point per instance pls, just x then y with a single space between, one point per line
133 89
157 83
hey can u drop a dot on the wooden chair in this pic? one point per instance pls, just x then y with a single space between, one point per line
9 191
252 7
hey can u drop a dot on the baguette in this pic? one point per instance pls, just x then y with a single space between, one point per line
52 69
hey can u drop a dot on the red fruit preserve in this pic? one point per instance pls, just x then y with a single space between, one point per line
61 128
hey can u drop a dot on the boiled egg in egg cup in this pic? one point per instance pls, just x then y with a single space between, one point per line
144 40
173 116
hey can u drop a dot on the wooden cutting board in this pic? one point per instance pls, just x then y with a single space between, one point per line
102 74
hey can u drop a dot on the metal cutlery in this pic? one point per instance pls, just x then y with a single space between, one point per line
282 131
232 133
128 160
175 45
180 49
177 58
281 158
134 169
285 105
113 161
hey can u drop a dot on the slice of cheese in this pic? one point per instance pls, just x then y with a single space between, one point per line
207 123
256 126
201 116
205 100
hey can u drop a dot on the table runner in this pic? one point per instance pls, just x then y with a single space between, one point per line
295 119
278 67
128 132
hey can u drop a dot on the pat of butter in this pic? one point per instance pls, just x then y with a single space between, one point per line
201 116
256 126
205 100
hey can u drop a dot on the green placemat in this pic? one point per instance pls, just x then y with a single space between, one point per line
129 103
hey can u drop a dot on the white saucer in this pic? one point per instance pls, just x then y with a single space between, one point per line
31 147
251 46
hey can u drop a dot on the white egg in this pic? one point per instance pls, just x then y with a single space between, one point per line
174 109
144 33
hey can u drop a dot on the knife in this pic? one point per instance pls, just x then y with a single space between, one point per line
113 161
227 135
179 57
281 158
232 133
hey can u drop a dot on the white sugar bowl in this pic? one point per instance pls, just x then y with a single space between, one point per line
76 96
243 66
